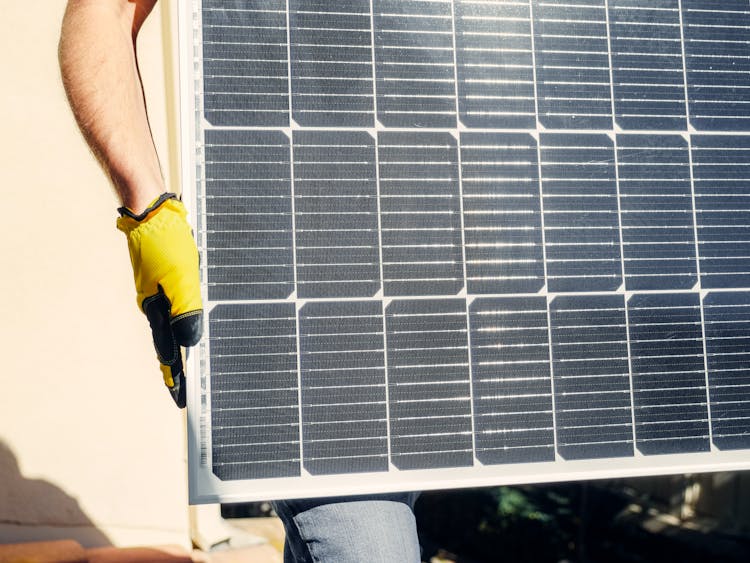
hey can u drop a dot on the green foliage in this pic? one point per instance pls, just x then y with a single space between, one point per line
524 524
514 504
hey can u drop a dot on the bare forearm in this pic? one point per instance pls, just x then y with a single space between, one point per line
100 74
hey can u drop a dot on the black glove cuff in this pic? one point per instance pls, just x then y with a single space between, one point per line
125 212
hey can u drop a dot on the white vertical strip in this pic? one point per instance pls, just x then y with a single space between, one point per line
626 294
463 238
294 234
701 295
541 222
199 197
619 226
380 231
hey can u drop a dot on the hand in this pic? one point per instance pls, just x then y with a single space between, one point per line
165 266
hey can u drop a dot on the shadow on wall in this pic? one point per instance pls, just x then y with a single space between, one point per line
37 510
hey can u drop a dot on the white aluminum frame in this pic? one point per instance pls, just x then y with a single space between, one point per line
205 487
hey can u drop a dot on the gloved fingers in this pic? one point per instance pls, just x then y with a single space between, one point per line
188 327
174 379
157 308
171 332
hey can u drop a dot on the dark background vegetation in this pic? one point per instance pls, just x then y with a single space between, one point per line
581 522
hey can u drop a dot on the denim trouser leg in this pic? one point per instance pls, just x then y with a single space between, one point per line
370 529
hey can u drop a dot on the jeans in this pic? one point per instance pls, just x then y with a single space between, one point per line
367 529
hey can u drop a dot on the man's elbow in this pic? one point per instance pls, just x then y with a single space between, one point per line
127 15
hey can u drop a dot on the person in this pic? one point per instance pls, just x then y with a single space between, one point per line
99 67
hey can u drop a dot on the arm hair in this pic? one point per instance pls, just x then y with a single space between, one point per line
99 67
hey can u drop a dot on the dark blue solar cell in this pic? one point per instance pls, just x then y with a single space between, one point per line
414 66
254 390
336 214
593 406
429 388
669 379
717 58
727 328
342 373
502 214
572 65
656 212
648 78
248 215
420 213
494 64
331 63
245 63
721 168
510 372
582 238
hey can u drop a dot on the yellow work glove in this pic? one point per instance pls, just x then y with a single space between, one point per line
165 267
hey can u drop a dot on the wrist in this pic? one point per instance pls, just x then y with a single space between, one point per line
137 203
137 189
139 214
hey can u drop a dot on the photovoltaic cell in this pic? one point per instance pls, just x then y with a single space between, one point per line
717 59
245 68
648 78
467 242
721 169
669 377
414 63
511 379
331 63
502 213
428 384
344 411
248 215
335 214
495 66
572 64
656 212
593 407
582 236
254 404
727 326
420 213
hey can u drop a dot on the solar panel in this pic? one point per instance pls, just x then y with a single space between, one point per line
451 243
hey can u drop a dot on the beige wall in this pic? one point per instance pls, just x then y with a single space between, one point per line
89 438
